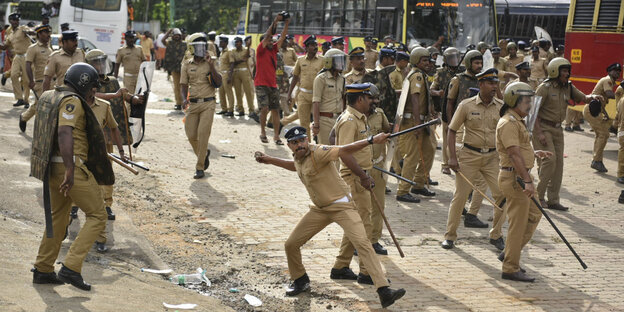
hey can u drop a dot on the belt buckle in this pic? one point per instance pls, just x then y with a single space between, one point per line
485 150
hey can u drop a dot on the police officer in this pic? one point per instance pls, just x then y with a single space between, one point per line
513 58
325 46
416 147
554 94
618 124
174 54
226 94
400 72
288 54
115 97
386 58
131 58
439 89
60 60
538 65
73 174
327 101
240 77
18 41
478 115
513 144
252 56
371 55
601 122
356 59
378 123
331 203
524 75
306 69
36 58
337 43
199 79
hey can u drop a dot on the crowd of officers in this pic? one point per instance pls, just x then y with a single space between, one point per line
343 103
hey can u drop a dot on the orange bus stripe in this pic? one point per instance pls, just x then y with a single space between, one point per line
584 79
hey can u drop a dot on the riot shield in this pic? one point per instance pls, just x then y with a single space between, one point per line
137 111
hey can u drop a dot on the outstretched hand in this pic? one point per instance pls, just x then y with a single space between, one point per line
261 157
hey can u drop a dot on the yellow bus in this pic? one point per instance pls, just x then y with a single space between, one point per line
461 22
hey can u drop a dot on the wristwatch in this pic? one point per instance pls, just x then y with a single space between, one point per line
370 139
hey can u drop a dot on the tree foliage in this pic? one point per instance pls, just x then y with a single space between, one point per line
194 15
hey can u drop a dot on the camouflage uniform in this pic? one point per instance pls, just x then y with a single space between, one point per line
388 100
283 83
111 85
172 64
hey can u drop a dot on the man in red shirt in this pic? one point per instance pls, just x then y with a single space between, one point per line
265 81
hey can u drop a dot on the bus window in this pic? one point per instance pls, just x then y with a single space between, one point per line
97 5
609 12
584 12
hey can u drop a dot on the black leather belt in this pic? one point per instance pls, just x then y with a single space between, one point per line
507 168
208 99
480 150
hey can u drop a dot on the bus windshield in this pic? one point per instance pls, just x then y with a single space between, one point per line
97 5
461 22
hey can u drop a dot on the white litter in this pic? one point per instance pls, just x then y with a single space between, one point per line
183 306
225 141
253 300
166 271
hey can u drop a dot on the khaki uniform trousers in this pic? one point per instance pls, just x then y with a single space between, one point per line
325 127
32 110
474 164
304 107
130 81
573 118
226 94
349 220
380 193
242 82
601 129
418 154
107 194
524 217
19 78
620 171
478 181
198 125
87 195
362 199
175 76
445 152
550 170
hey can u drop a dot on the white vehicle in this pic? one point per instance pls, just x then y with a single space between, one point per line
101 22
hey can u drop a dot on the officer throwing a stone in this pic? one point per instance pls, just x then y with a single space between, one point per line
332 202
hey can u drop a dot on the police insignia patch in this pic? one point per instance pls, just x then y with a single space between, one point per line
418 78
325 147
70 108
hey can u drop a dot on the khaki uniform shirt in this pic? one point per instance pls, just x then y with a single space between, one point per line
396 79
501 65
59 62
531 82
370 58
619 93
131 59
236 55
418 85
318 172
479 120
538 69
104 114
195 75
289 55
328 91
618 122
378 123
147 44
604 84
38 54
18 40
555 100
71 113
511 131
355 76
512 62
224 61
307 70
352 126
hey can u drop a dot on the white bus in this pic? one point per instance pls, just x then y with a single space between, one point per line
101 22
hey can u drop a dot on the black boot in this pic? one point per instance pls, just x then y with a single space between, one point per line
621 198
70 277
471 221
344 273
45 278
501 258
22 124
407 198
387 295
380 250
101 247
499 243
109 212
198 174
422 191
599 166
299 285
207 160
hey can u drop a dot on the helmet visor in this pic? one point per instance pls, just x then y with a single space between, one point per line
339 62
199 49
100 64
452 59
